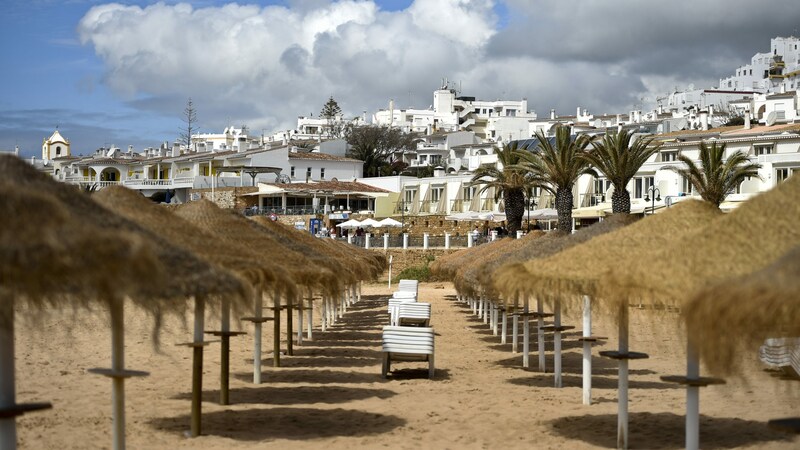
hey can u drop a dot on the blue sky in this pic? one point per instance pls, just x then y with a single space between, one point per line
111 75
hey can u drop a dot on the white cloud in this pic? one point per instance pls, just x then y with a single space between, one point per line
265 65
273 63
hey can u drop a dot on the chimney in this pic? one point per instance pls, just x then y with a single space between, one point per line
552 114
16 150
703 120
710 110
364 116
747 125
176 149
391 113
438 171
578 112
619 118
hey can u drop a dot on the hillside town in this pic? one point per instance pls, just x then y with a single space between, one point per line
309 172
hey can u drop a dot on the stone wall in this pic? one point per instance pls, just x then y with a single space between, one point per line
436 225
410 257
229 197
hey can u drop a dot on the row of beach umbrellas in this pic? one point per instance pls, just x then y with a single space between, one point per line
63 248
666 260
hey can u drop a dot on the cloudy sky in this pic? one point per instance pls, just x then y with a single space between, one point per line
121 73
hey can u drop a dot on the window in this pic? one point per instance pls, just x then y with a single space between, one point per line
436 159
759 150
58 150
669 156
686 186
308 173
641 186
409 196
511 113
291 171
436 194
322 173
782 174
469 192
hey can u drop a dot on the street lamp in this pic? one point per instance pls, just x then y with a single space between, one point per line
654 194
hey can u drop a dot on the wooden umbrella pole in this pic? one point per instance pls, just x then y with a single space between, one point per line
116 308
310 316
692 395
622 419
526 335
587 350
258 310
300 311
540 334
224 357
276 321
8 424
197 363
557 342
289 327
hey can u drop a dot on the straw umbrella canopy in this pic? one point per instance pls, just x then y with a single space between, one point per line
363 263
257 268
188 277
739 313
747 239
50 259
577 271
466 275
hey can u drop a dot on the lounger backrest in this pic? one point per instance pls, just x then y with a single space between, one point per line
409 340
408 286
394 307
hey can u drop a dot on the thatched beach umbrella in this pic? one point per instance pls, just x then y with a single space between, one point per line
747 239
739 313
231 227
507 284
577 272
48 259
190 277
259 270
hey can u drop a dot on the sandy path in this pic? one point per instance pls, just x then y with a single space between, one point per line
330 394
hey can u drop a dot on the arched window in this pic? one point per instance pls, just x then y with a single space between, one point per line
58 150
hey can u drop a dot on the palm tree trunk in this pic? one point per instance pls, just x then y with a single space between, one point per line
620 201
515 209
564 208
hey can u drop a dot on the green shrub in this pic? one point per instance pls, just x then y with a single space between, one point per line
419 273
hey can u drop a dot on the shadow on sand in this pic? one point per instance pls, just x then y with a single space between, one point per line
285 423
270 395
289 375
546 380
665 431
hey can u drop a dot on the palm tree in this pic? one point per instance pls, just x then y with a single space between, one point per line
717 177
619 160
511 182
558 166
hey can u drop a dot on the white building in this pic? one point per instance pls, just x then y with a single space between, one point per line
777 71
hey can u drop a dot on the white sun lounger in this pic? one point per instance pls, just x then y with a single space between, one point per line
414 314
781 353
407 344
394 307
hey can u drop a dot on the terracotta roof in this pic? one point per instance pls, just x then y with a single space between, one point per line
762 129
322 156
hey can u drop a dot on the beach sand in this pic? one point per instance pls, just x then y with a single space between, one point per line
330 393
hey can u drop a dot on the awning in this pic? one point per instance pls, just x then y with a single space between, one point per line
591 212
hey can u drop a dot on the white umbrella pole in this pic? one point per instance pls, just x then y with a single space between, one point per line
622 419
324 313
257 314
526 335
8 425
692 396
557 343
197 363
493 316
515 326
289 325
118 366
359 290
504 327
587 350
540 334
